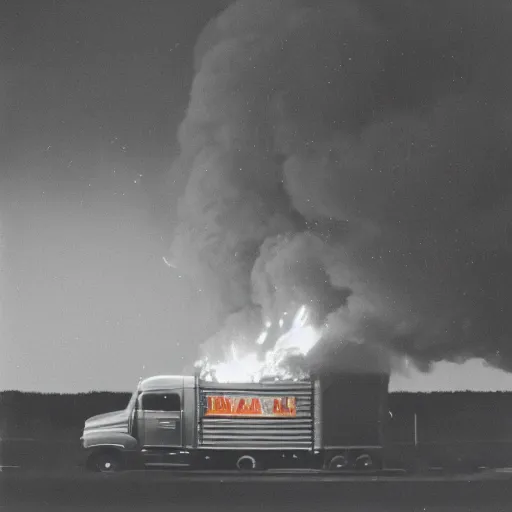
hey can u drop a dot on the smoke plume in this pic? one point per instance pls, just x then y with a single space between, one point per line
355 155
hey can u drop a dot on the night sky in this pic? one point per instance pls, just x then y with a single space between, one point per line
91 97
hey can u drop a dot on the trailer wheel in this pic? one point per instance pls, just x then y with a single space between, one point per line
105 461
364 462
338 462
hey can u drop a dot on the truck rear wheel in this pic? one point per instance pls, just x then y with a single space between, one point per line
105 461
364 462
338 462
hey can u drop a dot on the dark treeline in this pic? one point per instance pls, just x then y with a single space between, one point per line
34 413
448 417
440 416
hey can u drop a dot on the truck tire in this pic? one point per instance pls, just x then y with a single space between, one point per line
339 462
105 461
247 463
365 461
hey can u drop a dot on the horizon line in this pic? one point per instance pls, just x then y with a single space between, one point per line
391 392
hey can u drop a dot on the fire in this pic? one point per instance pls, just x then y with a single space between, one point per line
237 368
250 367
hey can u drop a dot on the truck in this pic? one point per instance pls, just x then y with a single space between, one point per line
333 421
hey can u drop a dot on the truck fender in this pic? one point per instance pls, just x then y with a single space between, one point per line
119 440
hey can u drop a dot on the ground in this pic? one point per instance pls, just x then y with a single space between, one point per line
160 490
46 476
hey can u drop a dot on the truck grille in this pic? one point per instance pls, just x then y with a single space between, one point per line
259 433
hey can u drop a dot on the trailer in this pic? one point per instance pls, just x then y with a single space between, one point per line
330 421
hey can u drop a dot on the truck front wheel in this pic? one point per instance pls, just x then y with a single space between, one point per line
105 461
247 463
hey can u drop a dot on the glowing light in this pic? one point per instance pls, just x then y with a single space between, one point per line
261 338
237 368
301 317
252 367
170 264
251 406
300 340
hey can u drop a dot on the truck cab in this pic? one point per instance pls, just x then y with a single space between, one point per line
150 431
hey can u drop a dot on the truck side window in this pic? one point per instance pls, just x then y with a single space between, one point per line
168 402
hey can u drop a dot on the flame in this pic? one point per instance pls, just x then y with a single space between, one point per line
261 338
238 368
249 367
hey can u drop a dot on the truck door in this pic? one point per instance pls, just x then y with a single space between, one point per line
162 419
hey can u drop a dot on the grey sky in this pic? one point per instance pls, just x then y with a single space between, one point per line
92 94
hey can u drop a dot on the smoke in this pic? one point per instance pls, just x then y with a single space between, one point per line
355 155
291 271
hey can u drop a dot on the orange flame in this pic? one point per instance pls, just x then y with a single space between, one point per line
250 406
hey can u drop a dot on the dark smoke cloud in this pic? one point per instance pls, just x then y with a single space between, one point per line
356 153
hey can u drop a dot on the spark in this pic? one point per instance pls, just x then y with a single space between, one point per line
261 338
170 264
